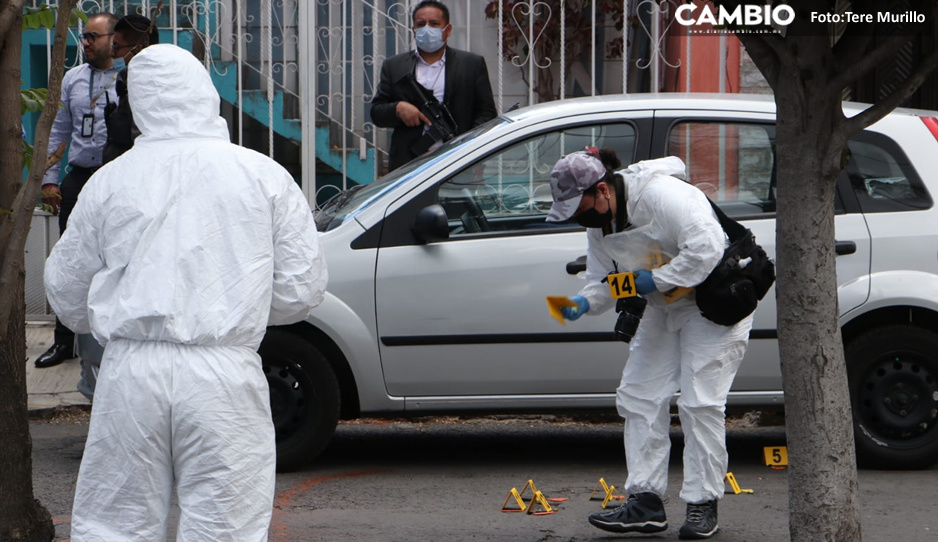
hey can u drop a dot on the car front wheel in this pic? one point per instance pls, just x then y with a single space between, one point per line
893 374
304 397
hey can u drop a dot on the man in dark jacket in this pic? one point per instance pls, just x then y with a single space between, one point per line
458 80
131 35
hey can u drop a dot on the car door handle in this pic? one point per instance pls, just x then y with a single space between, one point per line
576 266
843 247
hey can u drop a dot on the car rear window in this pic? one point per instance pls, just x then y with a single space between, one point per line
732 162
883 177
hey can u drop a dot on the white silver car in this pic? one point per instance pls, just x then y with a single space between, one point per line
439 272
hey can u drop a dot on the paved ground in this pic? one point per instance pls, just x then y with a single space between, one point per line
446 478
53 387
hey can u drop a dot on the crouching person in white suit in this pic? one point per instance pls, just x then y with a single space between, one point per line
178 255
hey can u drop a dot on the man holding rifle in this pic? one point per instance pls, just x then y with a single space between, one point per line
432 94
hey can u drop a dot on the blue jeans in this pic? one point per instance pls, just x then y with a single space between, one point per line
90 353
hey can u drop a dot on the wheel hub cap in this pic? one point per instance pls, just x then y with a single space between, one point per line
899 398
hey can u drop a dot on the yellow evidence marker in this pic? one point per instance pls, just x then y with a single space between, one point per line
539 498
776 456
736 490
526 486
608 490
555 302
514 493
622 285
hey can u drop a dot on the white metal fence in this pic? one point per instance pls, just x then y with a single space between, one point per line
315 63
299 75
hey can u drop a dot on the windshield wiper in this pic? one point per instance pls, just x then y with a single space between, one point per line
329 209
339 199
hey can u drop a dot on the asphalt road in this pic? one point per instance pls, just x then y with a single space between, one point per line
446 479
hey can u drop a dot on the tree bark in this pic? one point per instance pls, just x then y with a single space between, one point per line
808 76
16 215
22 517
823 487
10 11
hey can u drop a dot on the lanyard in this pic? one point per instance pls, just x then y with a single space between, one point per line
102 90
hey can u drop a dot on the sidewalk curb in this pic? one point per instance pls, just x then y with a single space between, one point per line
46 414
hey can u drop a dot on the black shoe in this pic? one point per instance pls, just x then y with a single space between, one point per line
57 353
642 513
701 521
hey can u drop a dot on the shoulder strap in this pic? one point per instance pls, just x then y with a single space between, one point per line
422 91
734 230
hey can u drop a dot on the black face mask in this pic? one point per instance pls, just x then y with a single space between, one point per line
591 218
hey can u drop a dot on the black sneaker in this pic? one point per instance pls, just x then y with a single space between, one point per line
642 513
701 521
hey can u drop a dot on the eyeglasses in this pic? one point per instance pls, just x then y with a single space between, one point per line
115 47
92 36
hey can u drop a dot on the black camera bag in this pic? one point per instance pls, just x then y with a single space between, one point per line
732 291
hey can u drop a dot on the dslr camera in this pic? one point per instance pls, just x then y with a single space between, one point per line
631 310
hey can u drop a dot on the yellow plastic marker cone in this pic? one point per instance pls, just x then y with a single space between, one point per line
735 485
608 494
517 496
539 499
528 485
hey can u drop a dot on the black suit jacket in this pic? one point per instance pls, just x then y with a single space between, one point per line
467 93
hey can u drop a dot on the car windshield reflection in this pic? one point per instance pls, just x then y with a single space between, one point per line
356 199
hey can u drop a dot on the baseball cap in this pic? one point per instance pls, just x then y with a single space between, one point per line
573 174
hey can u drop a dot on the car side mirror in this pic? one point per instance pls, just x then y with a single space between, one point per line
431 224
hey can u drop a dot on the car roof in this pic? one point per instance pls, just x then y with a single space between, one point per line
637 102
752 103
763 104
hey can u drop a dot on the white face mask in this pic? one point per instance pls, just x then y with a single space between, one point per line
429 39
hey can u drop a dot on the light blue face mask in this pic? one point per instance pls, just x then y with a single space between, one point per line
119 63
429 39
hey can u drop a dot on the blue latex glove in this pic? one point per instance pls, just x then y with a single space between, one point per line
572 313
644 284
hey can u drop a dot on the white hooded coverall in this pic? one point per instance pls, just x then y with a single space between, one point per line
177 256
675 347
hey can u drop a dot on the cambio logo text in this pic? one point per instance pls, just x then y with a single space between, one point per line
743 15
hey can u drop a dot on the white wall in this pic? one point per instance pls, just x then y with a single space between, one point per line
43 233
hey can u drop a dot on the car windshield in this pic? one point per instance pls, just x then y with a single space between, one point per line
352 201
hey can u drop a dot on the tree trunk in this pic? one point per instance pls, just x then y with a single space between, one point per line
823 487
22 517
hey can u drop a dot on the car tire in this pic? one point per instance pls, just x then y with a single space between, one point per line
304 397
893 375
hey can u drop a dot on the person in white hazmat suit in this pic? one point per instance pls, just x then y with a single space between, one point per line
645 219
178 255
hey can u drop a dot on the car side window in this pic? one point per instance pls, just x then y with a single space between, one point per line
882 177
509 191
733 163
